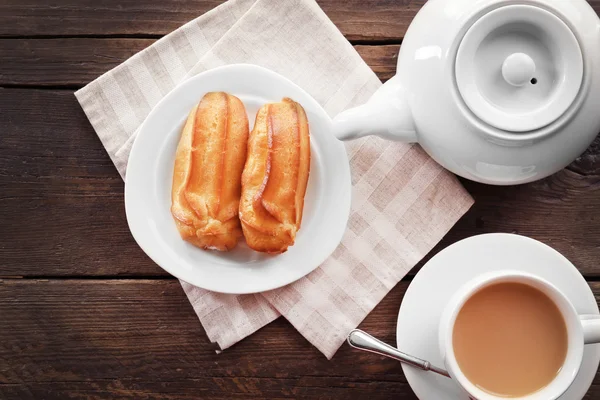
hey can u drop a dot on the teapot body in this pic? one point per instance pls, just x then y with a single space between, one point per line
444 125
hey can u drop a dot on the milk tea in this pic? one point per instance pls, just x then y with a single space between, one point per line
510 339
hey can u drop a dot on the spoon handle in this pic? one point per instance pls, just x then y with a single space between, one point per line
363 341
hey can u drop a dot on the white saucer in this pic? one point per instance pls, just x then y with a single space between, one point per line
150 173
432 287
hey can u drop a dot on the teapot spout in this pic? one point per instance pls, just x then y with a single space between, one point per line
386 115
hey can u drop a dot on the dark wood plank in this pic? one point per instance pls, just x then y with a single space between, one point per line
357 19
382 59
76 62
559 211
63 62
62 200
141 339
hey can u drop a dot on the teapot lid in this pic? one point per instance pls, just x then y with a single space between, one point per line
519 68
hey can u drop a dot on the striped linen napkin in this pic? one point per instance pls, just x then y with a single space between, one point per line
403 202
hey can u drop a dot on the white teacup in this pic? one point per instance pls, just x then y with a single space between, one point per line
581 330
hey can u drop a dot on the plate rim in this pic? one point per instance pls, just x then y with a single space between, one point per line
344 203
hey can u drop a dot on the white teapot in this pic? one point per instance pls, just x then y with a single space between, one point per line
497 91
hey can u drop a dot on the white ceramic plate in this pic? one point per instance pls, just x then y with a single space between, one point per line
149 179
434 285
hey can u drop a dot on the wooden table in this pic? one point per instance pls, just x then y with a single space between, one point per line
85 314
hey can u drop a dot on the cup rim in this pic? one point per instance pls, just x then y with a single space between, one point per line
574 356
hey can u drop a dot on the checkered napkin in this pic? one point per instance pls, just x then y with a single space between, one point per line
403 203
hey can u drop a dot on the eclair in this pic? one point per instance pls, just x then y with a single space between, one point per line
275 177
209 162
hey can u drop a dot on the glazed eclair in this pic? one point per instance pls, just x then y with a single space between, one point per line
275 177
209 162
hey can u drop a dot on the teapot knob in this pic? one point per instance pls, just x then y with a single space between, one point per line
518 69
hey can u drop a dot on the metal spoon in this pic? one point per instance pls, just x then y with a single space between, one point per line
363 341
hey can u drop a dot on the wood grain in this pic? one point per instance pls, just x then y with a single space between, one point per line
68 62
560 211
109 339
359 20
140 339
74 62
61 199
364 20
382 59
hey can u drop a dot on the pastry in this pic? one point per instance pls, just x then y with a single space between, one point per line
209 162
275 177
